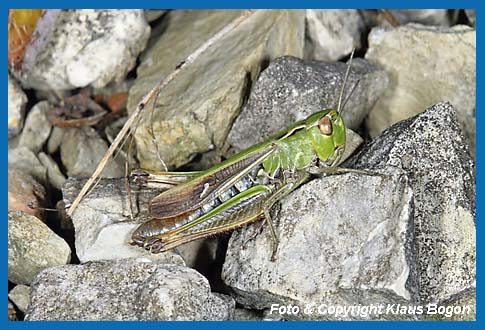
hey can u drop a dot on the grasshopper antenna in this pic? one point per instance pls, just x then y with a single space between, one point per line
339 104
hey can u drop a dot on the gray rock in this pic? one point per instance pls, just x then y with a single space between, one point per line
55 139
24 159
54 174
433 17
125 290
32 247
291 89
427 65
77 48
82 149
16 107
103 225
471 15
440 17
37 128
194 112
243 314
460 307
344 240
332 34
430 147
19 295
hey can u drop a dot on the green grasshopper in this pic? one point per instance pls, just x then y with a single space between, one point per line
243 188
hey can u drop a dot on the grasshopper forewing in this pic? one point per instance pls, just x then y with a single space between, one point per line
243 188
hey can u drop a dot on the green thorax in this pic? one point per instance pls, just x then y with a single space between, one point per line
293 152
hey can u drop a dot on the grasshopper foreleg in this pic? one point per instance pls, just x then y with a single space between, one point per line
322 171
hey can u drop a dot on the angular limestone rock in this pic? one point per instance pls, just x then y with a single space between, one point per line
130 289
427 65
430 147
32 247
77 48
344 240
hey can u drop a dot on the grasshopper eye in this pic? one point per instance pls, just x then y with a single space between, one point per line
325 126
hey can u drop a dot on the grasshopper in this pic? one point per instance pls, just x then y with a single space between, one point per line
243 188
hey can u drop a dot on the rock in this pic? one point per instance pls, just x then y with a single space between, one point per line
125 290
427 65
460 307
291 89
196 109
243 314
55 139
25 193
24 159
16 107
32 247
344 240
54 174
37 128
332 34
432 17
152 15
77 48
82 149
19 295
103 225
431 149
440 17
471 15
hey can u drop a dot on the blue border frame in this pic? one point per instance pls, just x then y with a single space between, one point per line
233 4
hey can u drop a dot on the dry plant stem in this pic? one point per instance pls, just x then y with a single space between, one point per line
149 97
390 18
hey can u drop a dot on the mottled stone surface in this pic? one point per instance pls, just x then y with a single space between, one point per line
76 48
32 247
332 34
54 174
19 295
129 289
81 150
291 89
24 159
431 148
426 65
344 240
37 128
16 107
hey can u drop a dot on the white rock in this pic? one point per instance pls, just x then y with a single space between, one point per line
37 127
16 107
427 65
77 48
333 33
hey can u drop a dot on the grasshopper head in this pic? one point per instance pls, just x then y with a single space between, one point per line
327 132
